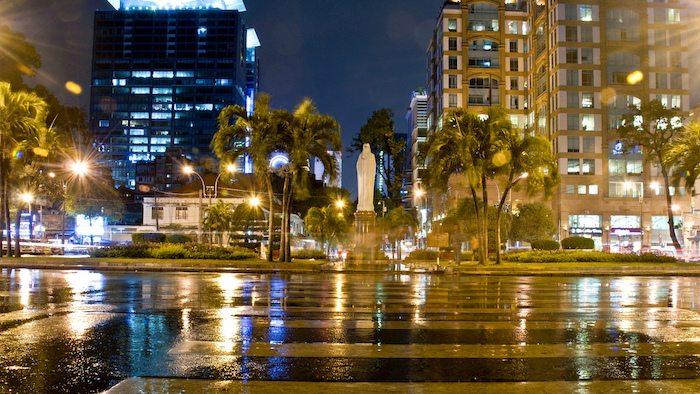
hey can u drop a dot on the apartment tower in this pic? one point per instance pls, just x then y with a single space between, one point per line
568 71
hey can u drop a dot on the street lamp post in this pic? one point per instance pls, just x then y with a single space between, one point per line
188 170
232 169
420 194
27 197
77 168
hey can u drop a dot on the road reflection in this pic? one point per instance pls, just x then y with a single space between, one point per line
84 331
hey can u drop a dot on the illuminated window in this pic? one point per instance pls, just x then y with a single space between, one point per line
141 90
141 74
452 25
573 167
586 13
163 74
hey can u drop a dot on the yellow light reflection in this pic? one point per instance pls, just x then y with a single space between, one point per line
230 285
339 296
25 286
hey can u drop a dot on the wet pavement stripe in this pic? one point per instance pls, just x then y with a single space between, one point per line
529 324
366 350
165 385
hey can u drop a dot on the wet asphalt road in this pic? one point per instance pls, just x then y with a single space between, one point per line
85 332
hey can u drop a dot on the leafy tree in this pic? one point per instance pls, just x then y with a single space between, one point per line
248 226
379 133
534 221
326 224
397 224
307 134
17 58
93 195
654 127
256 136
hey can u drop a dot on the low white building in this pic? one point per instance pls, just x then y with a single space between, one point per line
182 209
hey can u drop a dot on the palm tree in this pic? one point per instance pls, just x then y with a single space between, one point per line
460 146
529 158
684 153
219 220
22 119
307 134
255 136
326 223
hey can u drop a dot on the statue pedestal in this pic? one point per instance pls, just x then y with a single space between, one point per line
365 235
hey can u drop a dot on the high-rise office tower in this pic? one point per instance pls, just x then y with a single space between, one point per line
162 72
568 71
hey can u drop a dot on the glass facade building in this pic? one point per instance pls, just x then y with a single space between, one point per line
160 77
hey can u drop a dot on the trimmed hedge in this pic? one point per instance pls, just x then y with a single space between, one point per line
173 251
577 243
178 239
545 244
309 254
585 257
148 237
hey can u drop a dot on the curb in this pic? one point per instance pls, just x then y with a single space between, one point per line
337 268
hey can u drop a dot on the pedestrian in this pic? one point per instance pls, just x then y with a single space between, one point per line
456 242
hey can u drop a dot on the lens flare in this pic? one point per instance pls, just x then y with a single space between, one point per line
73 87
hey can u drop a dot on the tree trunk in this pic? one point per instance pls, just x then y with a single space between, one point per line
271 224
18 252
283 239
498 219
288 224
669 209
485 220
478 227
6 213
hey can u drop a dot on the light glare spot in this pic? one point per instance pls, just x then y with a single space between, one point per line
635 77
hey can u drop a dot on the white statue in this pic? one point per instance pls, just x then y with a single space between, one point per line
366 170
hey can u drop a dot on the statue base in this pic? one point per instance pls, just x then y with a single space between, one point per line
365 234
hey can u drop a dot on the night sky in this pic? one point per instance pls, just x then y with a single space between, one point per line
350 58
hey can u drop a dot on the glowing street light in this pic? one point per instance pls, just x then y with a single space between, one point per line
79 168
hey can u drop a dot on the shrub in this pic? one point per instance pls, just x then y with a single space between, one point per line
577 243
169 252
583 257
178 238
148 237
423 255
545 244
131 251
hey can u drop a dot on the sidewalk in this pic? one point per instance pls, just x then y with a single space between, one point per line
549 269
